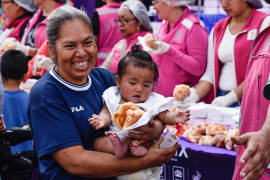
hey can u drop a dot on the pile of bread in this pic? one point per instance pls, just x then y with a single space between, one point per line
211 134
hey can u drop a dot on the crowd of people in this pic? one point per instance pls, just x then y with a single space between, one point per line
82 63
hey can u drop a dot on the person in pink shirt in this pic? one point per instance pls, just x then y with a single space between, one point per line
182 46
133 22
35 32
18 13
105 26
229 48
253 151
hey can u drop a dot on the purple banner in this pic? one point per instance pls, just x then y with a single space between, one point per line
88 5
195 162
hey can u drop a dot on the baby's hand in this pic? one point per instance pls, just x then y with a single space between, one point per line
97 122
182 116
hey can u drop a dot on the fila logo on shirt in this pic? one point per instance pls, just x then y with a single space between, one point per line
77 109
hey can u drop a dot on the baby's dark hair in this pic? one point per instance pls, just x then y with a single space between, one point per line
138 58
14 64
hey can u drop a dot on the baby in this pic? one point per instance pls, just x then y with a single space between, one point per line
136 76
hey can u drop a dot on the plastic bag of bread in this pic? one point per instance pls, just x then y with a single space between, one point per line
12 43
148 42
127 115
180 92
8 44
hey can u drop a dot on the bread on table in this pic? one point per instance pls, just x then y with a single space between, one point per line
192 135
209 133
219 139
230 133
206 140
127 115
213 128
180 92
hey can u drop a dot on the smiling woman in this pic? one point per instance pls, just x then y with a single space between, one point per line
76 52
67 96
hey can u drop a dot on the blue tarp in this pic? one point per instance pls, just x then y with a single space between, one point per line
210 20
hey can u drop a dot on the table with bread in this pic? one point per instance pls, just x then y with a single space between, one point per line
206 142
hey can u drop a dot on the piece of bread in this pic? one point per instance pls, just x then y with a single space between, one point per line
150 40
230 133
219 139
128 114
180 92
191 135
194 138
206 140
213 128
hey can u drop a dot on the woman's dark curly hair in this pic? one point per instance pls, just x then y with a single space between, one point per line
137 58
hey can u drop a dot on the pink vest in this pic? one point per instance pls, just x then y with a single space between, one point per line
242 46
109 33
17 25
170 73
254 105
40 33
130 41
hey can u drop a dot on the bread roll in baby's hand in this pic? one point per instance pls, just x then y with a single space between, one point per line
127 115
150 41
180 92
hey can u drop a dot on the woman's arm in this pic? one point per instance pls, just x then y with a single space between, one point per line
206 82
194 61
120 45
32 51
203 88
78 161
239 91
43 50
107 63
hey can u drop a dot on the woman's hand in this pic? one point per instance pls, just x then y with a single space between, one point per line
151 131
156 156
256 157
192 98
225 101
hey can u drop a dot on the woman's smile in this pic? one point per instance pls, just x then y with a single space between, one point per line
82 65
